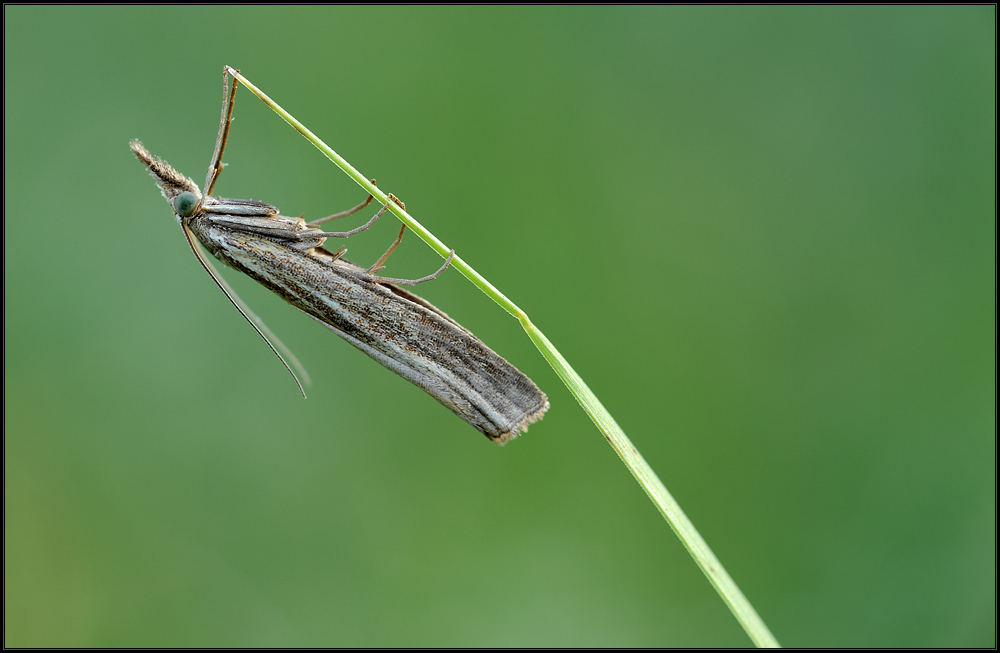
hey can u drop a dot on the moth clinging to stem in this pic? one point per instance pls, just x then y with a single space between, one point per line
395 327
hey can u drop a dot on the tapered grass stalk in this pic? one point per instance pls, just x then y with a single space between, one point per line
636 464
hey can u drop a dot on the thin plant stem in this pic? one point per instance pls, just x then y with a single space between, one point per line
636 464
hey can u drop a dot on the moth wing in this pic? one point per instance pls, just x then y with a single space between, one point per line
405 294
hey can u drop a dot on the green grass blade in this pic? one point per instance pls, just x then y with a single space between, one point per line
636 464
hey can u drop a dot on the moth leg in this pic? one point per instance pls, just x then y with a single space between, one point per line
346 234
228 102
378 264
342 214
398 201
356 230
413 282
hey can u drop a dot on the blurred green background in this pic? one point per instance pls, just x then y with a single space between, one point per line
764 236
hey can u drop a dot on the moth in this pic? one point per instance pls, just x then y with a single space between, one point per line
398 329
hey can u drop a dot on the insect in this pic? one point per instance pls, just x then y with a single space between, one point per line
395 327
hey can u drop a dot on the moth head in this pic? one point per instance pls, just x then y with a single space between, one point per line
182 193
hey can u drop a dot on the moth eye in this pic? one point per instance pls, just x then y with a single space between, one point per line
185 204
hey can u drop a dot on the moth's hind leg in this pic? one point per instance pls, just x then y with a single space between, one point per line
413 282
378 265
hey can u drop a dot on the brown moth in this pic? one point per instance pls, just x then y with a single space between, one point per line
398 329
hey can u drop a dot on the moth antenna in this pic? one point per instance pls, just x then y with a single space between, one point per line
251 317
